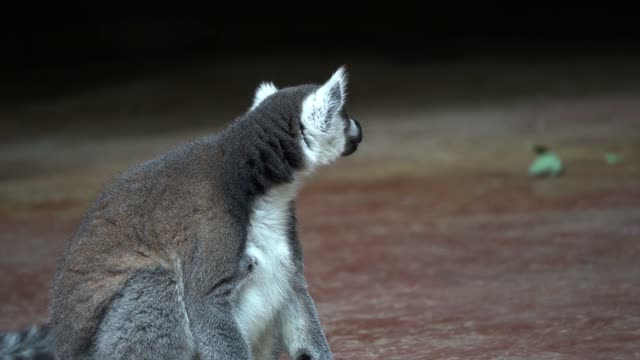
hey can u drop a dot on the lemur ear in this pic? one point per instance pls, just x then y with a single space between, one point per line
263 91
320 107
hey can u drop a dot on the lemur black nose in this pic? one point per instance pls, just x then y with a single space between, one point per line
354 137
355 131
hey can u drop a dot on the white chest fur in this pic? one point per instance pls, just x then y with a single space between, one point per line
264 294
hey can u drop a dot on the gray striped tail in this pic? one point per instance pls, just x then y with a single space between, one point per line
34 343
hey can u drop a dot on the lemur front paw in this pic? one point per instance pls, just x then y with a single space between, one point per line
321 356
248 265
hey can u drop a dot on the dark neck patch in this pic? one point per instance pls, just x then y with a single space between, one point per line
262 149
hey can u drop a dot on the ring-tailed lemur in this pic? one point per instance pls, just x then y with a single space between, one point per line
194 255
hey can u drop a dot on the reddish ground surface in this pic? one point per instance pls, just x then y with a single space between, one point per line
431 242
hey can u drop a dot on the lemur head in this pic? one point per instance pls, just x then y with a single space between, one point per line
322 126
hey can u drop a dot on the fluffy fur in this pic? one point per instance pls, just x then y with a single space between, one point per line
32 343
262 92
195 254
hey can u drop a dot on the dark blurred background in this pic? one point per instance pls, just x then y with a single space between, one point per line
432 241
56 50
62 34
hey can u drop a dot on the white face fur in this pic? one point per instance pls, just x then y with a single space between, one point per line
322 119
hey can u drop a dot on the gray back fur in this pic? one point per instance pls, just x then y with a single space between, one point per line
191 204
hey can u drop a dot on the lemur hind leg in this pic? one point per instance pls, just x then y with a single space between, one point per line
146 321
